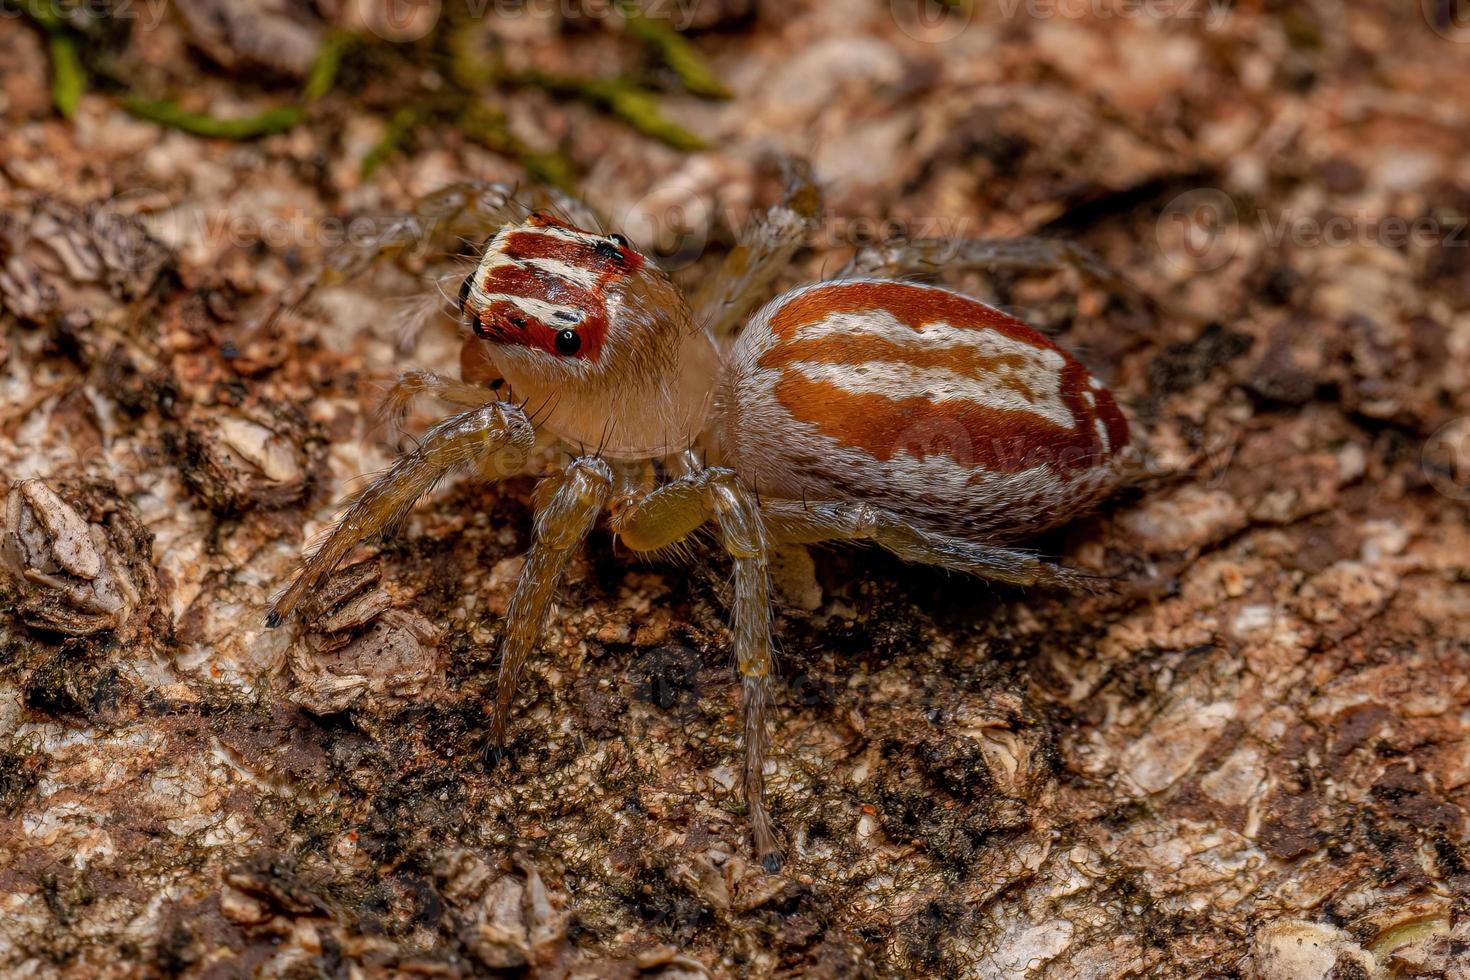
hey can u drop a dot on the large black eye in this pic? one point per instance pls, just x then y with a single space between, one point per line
568 343
609 250
622 242
464 291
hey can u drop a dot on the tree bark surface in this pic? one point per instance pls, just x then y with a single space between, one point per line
1249 757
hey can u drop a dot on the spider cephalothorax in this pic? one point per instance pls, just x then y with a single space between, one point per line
548 286
858 409
588 325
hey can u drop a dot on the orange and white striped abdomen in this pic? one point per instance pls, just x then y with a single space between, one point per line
920 400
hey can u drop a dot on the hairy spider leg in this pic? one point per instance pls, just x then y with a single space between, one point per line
1027 253
414 385
496 439
725 299
668 515
567 505
798 522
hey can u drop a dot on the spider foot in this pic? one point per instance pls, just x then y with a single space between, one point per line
492 753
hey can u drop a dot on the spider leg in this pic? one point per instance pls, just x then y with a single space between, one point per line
436 222
495 438
413 385
917 256
673 512
567 505
435 226
723 301
795 522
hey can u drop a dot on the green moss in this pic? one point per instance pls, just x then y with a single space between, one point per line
167 112
323 75
490 129
68 76
320 81
681 56
402 124
469 67
630 103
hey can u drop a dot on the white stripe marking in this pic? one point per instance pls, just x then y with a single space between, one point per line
576 275
894 380
539 309
881 324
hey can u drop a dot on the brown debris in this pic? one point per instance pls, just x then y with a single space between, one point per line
237 462
55 256
77 564
356 646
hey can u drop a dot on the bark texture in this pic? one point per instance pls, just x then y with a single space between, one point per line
1251 758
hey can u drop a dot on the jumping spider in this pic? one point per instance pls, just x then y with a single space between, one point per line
861 408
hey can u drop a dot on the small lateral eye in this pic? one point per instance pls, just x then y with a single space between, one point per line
619 240
612 251
464 292
539 219
568 343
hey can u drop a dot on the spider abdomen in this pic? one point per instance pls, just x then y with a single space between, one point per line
927 402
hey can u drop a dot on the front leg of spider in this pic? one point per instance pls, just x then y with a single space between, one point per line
567 505
495 439
670 514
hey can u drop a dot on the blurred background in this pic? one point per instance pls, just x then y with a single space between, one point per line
225 225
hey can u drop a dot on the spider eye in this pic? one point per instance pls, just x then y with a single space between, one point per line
539 219
568 343
611 251
464 292
620 240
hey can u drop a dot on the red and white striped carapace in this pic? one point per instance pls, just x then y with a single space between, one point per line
586 326
853 410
